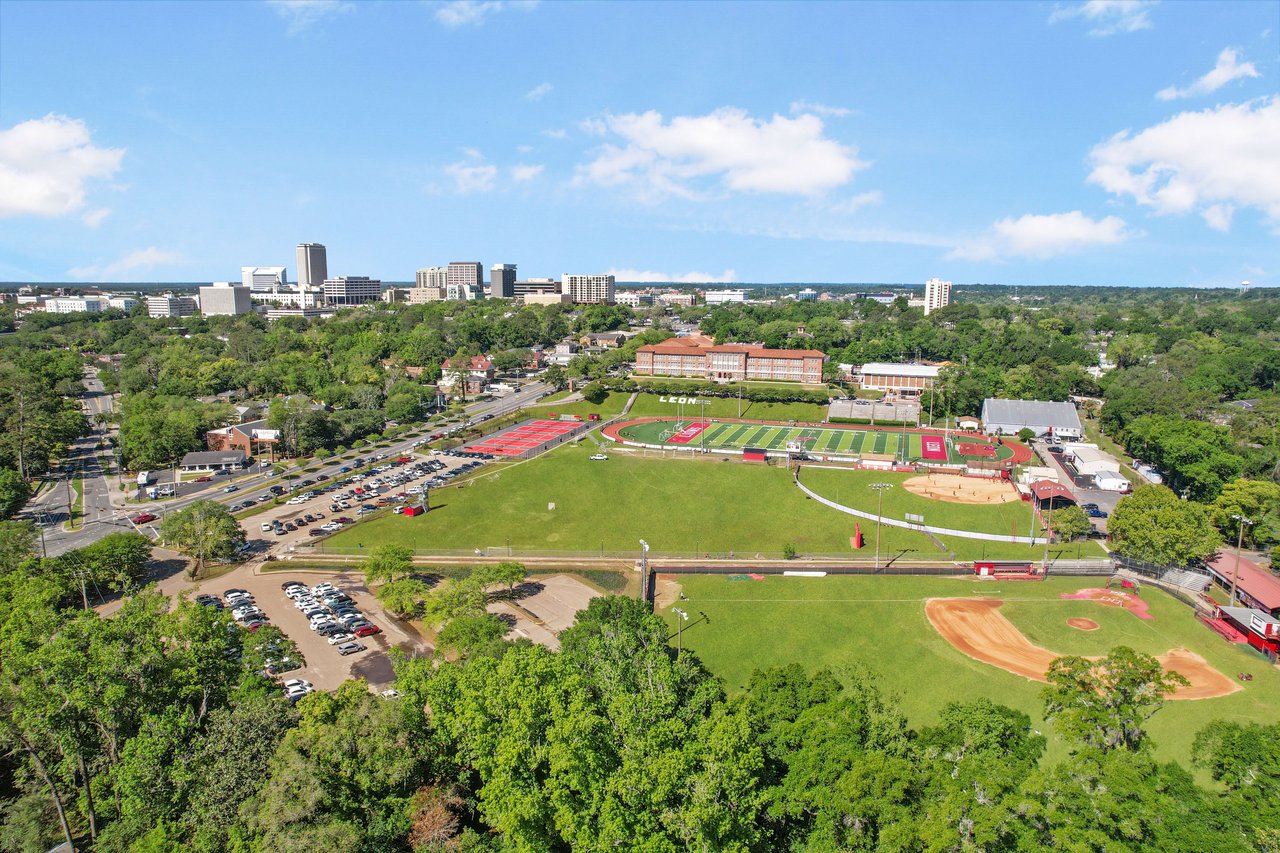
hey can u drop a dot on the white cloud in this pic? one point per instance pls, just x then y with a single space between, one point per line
1225 155
1218 216
1043 236
857 202
798 107
301 15
726 150
538 92
94 218
45 163
556 134
1228 68
472 177
651 277
143 259
1108 17
461 13
525 172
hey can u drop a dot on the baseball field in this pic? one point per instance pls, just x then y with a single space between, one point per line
999 634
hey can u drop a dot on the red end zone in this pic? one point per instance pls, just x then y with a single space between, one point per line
689 433
933 447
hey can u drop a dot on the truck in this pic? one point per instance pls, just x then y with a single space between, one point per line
145 478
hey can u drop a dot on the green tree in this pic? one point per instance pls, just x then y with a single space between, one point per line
507 572
555 377
1102 704
595 393
205 530
14 493
468 635
1026 433
387 563
1256 500
1153 525
117 559
404 596
1069 522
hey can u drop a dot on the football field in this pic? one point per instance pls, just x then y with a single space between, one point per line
906 445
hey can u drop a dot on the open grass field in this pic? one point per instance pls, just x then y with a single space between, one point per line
905 445
880 622
679 506
607 408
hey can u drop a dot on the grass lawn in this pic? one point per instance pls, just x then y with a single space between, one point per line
607 408
678 506
659 405
879 622
75 512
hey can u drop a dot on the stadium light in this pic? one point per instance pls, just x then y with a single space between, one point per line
880 490
1235 576
683 617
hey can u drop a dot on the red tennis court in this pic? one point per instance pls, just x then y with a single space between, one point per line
524 437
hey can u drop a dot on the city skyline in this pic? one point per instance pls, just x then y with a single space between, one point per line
1101 143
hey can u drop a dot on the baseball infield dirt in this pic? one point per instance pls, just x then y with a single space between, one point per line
961 490
977 628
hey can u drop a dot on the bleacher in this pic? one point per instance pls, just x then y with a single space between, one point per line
1193 582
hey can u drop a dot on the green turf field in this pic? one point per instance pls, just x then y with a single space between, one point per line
880 623
835 440
685 506
660 405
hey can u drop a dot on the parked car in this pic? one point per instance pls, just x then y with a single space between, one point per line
1053 448
1096 513
350 648
367 630
340 638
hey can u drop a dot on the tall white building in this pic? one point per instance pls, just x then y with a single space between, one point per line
352 290
124 303
169 305
937 294
502 281
720 297
75 304
588 288
262 278
223 298
313 266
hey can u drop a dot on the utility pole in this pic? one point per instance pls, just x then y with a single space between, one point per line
681 617
1048 532
1235 576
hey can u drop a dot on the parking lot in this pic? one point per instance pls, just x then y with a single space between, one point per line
550 609
1106 501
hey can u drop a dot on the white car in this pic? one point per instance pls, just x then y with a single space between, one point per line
294 683
338 639
598 457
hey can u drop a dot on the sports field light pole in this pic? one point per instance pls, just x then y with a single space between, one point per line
880 490
1235 576
681 617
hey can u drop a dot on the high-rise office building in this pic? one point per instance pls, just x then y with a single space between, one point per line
465 280
352 290
937 294
502 281
262 278
313 266
169 305
588 288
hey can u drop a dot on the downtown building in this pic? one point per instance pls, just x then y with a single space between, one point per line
464 280
262 279
937 294
169 305
588 289
502 281
222 298
698 357
352 290
313 266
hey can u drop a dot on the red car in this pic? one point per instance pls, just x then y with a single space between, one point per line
368 630
203 480
144 518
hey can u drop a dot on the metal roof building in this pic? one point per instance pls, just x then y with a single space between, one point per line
1008 417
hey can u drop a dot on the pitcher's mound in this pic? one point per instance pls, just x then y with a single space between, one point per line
961 490
1082 624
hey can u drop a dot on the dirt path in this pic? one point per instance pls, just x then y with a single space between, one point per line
961 490
977 628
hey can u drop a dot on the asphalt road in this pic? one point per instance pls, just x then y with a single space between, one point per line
106 511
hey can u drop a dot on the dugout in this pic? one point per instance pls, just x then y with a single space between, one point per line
754 454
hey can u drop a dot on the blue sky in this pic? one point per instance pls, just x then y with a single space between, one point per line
1126 143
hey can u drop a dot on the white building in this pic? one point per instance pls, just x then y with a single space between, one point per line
720 297
352 290
633 298
304 313
124 303
224 299
590 289
169 305
908 379
262 278
75 304
313 266
937 294
808 294
546 297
